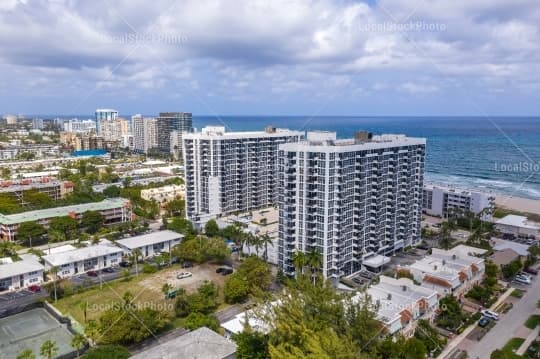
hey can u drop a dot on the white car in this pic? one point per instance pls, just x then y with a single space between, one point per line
183 275
522 280
490 314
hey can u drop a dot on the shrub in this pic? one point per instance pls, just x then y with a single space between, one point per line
148 268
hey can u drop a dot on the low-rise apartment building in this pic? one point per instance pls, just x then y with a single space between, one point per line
164 194
20 274
82 260
452 271
518 227
53 188
440 201
151 244
113 210
401 303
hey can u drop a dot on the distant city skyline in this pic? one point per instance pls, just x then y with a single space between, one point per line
387 57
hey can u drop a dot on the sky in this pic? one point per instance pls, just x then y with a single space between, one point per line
278 57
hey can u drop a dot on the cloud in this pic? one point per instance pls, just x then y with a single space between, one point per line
290 51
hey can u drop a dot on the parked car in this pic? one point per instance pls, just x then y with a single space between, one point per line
2 289
183 275
107 270
125 264
92 273
187 264
357 280
34 288
490 314
483 322
522 280
531 271
227 271
524 275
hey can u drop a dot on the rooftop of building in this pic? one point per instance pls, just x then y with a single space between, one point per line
435 267
518 221
80 254
455 190
27 264
200 343
149 239
521 249
221 132
504 256
62 211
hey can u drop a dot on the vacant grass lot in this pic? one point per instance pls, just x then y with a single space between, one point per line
146 288
512 345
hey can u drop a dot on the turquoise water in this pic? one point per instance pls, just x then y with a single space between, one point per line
498 154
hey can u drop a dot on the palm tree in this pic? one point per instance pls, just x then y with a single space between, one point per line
265 241
257 243
49 349
314 260
299 261
54 273
26 354
136 254
78 342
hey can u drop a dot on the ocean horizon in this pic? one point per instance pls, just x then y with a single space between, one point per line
499 154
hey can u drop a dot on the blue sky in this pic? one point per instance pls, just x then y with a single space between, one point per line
298 57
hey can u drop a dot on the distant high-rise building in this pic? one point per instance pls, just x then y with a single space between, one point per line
37 123
167 123
226 172
354 201
144 133
80 126
114 130
105 114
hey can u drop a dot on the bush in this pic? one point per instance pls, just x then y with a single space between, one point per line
197 320
148 268
235 290
107 352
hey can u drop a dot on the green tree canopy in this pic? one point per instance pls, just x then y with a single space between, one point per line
49 349
181 225
92 221
211 228
107 352
29 231
65 225
111 191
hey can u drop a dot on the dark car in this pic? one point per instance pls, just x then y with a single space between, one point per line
2 289
125 264
357 280
92 273
531 271
187 264
483 322
107 270
34 288
226 271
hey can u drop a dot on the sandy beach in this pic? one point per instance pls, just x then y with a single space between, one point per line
518 204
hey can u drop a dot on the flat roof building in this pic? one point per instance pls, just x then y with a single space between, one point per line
82 260
20 274
518 227
152 243
440 201
113 210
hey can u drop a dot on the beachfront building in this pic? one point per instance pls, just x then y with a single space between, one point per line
350 200
441 201
104 114
53 188
520 227
228 172
164 194
81 260
452 271
401 303
169 123
151 244
113 210
20 274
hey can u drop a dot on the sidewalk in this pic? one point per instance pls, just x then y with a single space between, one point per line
532 336
457 340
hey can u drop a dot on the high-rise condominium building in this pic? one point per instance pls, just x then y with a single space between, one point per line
79 126
167 123
114 130
226 172
144 133
351 200
105 114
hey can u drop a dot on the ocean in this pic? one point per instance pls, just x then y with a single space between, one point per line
501 154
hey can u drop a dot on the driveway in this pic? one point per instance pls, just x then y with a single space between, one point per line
508 326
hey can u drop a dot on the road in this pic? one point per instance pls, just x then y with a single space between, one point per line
508 325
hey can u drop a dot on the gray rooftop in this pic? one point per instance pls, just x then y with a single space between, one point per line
61 211
26 265
202 343
149 239
80 254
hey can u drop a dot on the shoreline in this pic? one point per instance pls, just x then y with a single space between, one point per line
519 204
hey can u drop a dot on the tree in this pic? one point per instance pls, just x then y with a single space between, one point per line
107 352
181 225
92 330
217 249
36 200
7 249
26 354
65 225
197 320
265 241
78 341
49 349
511 269
236 289
251 345
92 221
211 228
175 207
111 191
166 288
299 261
451 315
314 260
54 273
136 254
6 173
29 230
9 204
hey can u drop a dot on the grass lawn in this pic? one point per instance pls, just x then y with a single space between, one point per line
517 293
513 345
533 321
